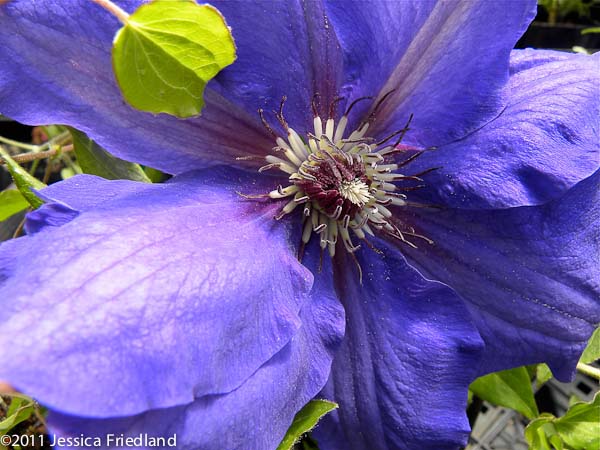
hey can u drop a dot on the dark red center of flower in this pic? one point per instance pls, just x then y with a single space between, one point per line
330 181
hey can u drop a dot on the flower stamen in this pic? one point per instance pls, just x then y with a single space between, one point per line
346 181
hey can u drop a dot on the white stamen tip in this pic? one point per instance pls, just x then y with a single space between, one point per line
357 191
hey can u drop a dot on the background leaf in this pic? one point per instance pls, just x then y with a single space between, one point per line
24 182
542 374
154 175
306 419
167 52
539 431
578 429
21 408
11 202
509 388
592 351
591 30
94 160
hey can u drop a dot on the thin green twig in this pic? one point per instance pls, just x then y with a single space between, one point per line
23 145
59 139
589 370
28 157
115 10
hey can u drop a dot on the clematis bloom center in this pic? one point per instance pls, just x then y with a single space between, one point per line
344 182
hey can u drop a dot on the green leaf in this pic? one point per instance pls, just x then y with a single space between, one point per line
25 182
11 202
155 176
542 374
309 444
167 52
538 432
573 399
53 131
590 30
94 160
578 429
592 351
306 419
21 408
509 388
67 172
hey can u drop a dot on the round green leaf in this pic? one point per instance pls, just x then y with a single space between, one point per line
167 52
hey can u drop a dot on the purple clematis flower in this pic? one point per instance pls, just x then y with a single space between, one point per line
181 308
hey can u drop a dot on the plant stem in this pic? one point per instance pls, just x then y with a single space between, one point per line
56 140
24 146
47 172
28 157
589 370
553 13
114 10
19 229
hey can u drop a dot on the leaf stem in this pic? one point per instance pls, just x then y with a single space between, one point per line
56 140
19 229
28 157
589 370
115 10
24 146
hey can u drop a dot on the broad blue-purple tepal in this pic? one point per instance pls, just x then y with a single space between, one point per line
379 252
